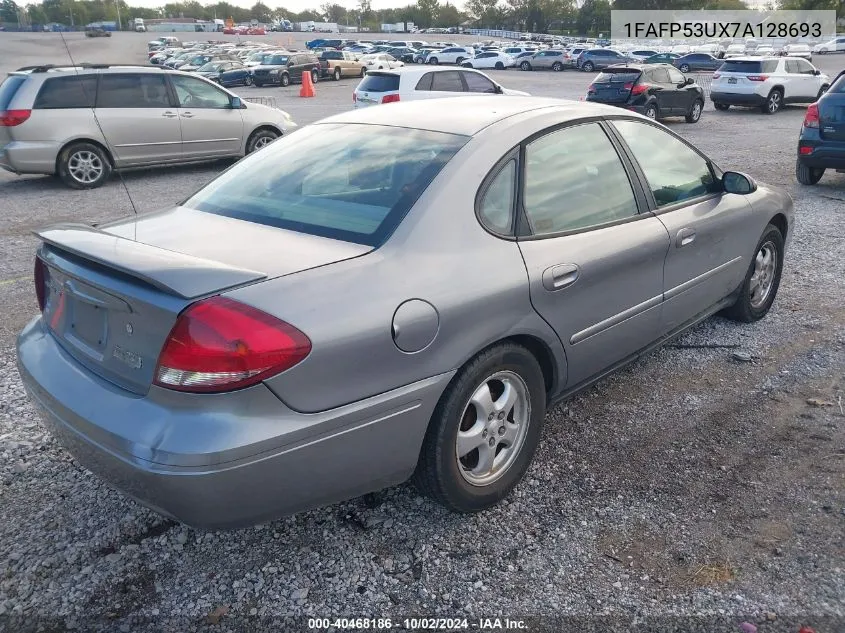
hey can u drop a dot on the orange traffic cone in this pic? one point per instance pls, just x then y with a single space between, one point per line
307 89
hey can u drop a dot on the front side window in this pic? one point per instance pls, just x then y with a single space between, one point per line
196 93
133 91
376 175
675 76
674 171
574 179
479 83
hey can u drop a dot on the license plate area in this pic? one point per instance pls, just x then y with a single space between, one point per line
731 80
87 325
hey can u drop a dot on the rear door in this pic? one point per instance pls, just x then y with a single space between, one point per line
681 95
811 83
210 126
446 83
139 118
594 262
664 91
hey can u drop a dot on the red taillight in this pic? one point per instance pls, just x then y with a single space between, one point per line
390 99
591 89
638 90
11 118
804 150
40 283
219 345
811 119
757 77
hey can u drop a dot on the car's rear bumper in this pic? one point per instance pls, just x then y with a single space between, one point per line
29 157
829 155
228 460
739 99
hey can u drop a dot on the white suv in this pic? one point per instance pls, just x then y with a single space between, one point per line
766 82
410 83
836 45
451 55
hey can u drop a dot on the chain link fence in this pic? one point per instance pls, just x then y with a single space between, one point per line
704 80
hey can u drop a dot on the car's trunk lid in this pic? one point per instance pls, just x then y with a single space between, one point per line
613 85
112 294
832 117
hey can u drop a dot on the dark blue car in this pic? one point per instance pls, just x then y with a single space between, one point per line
821 144
227 73
697 61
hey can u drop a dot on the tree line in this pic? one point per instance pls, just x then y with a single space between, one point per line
592 17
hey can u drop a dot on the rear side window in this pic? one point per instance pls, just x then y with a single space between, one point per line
379 82
449 81
8 89
67 92
837 86
479 83
376 175
133 91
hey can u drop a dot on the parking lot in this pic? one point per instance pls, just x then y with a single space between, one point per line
706 479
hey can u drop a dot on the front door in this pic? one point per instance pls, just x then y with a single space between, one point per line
210 126
709 229
140 122
594 262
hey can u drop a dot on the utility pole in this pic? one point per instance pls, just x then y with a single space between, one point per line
119 23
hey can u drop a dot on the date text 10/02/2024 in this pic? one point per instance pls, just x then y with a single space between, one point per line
417 624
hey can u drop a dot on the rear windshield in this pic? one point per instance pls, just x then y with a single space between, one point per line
8 89
751 66
621 75
838 86
379 82
375 175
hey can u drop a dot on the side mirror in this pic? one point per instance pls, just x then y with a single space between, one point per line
290 63
499 90
817 72
737 182
689 81
236 103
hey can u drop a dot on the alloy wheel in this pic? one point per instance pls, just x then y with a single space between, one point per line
762 279
85 167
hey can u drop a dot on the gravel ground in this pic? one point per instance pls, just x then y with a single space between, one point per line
693 483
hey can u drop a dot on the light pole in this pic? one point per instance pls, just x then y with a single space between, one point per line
119 23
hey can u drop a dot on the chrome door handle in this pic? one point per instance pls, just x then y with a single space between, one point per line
187 115
685 237
170 115
560 276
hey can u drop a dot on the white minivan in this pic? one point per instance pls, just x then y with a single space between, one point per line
410 83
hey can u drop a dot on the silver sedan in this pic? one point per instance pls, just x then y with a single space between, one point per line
300 332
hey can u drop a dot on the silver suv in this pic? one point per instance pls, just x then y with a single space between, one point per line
80 123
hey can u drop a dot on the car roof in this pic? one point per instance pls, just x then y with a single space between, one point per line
753 58
464 115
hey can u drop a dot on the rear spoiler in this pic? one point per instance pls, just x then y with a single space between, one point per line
175 273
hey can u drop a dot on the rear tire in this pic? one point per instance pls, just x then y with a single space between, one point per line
695 112
84 166
337 74
463 484
525 66
248 80
588 67
458 60
315 75
684 68
773 102
651 111
432 61
557 67
722 106
500 66
284 80
808 175
761 283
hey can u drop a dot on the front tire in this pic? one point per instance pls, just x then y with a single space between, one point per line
459 60
484 431
432 61
525 66
695 112
315 75
284 80
651 111
808 175
260 138
500 66
588 67
773 102
762 280
684 68
362 73
248 80
84 166
557 67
